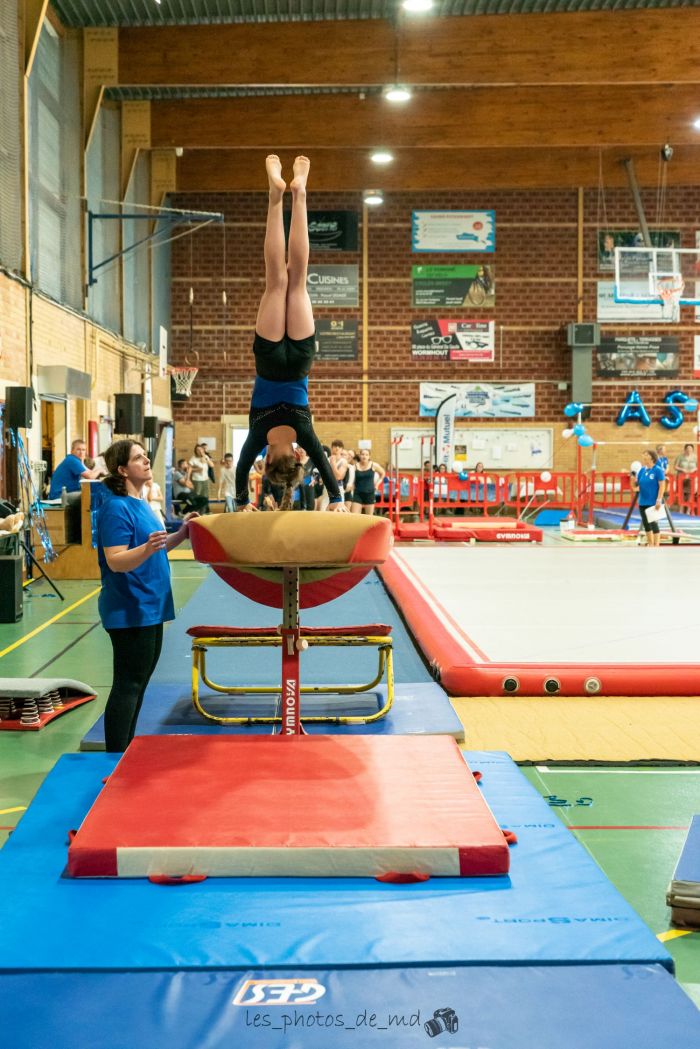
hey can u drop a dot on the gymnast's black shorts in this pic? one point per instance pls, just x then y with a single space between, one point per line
286 360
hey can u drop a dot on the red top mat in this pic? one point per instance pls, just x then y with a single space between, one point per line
307 806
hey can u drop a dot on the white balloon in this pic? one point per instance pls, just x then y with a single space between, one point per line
545 476
567 433
635 467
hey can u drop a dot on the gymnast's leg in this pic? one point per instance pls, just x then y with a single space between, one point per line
271 321
300 316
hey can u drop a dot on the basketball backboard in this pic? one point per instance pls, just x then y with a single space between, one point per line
668 275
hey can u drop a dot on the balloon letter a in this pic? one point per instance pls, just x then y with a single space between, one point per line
633 409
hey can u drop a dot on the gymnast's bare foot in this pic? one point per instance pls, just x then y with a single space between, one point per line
273 165
301 173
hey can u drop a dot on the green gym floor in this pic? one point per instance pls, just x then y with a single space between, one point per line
634 824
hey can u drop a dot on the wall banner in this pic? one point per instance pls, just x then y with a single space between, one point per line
445 340
481 400
638 357
454 286
333 285
329 230
453 231
336 340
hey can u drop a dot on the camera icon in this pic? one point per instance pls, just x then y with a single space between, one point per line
443 1020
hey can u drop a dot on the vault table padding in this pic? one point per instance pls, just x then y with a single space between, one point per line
317 806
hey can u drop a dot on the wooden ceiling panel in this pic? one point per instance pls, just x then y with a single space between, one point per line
648 46
495 117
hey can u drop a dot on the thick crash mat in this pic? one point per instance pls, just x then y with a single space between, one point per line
333 550
309 806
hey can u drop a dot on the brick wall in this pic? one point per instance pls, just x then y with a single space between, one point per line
536 293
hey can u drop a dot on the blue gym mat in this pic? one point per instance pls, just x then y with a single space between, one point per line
572 1007
556 907
616 518
421 705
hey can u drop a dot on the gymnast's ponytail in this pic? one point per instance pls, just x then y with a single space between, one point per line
288 472
117 455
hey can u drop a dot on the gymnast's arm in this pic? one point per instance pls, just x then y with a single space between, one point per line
253 444
312 446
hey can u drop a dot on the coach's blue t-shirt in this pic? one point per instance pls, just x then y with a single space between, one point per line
649 478
143 596
267 393
66 475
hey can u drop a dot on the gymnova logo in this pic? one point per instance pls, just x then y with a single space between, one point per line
517 536
279 992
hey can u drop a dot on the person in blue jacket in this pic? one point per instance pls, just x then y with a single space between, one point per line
650 483
136 598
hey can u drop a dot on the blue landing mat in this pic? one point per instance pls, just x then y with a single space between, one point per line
421 706
556 907
572 1007
616 518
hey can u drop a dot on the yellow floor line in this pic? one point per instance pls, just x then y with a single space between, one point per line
673 934
38 629
17 808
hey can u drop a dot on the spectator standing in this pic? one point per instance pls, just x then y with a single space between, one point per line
650 483
227 483
368 478
201 464
686 466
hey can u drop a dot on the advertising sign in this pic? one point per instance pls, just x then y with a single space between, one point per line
333 285
638 357
330 230
454 286
445 340
480 400
453 231
336 340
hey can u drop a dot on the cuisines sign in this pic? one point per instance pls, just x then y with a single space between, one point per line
333 286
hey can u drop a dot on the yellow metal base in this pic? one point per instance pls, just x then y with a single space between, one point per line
382 643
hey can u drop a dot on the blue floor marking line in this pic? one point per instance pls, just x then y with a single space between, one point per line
580 1007
556 907
421 706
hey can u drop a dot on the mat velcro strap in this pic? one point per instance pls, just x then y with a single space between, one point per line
172 879
402 877
510 836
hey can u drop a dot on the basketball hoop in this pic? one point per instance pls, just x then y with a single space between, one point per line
183 377
670 289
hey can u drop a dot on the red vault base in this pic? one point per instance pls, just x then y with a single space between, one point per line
303 806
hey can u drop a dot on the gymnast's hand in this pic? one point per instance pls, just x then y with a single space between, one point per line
338 508
156 541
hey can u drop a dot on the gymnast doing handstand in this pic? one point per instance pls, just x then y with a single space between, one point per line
284 348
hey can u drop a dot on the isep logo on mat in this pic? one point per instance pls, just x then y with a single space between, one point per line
279 992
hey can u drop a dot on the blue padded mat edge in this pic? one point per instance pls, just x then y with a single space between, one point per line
598 1007
556 907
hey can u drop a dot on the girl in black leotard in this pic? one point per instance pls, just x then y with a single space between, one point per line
364 493
284 350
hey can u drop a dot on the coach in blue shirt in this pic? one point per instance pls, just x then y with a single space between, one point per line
136 598
651 485
71 471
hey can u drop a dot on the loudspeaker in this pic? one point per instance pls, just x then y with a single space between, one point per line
18 406
150 426
583 334
128 412
10 588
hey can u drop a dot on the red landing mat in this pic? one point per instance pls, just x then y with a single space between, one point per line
310 806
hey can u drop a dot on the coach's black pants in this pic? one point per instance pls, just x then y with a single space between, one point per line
136 651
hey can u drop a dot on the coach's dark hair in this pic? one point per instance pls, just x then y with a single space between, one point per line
118 454
653 455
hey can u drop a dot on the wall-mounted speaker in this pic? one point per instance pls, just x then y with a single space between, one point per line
583 335
18 406
150 426
128 413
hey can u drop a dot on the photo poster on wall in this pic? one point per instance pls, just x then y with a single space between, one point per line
447 340
697 282
470 286
610 239
696 356
336 340
333 285
502 449
611 312
329 230
638 357
458 231
480 400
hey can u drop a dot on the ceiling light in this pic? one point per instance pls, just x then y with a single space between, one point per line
696 123
397 93
381 156
417 5
373 197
